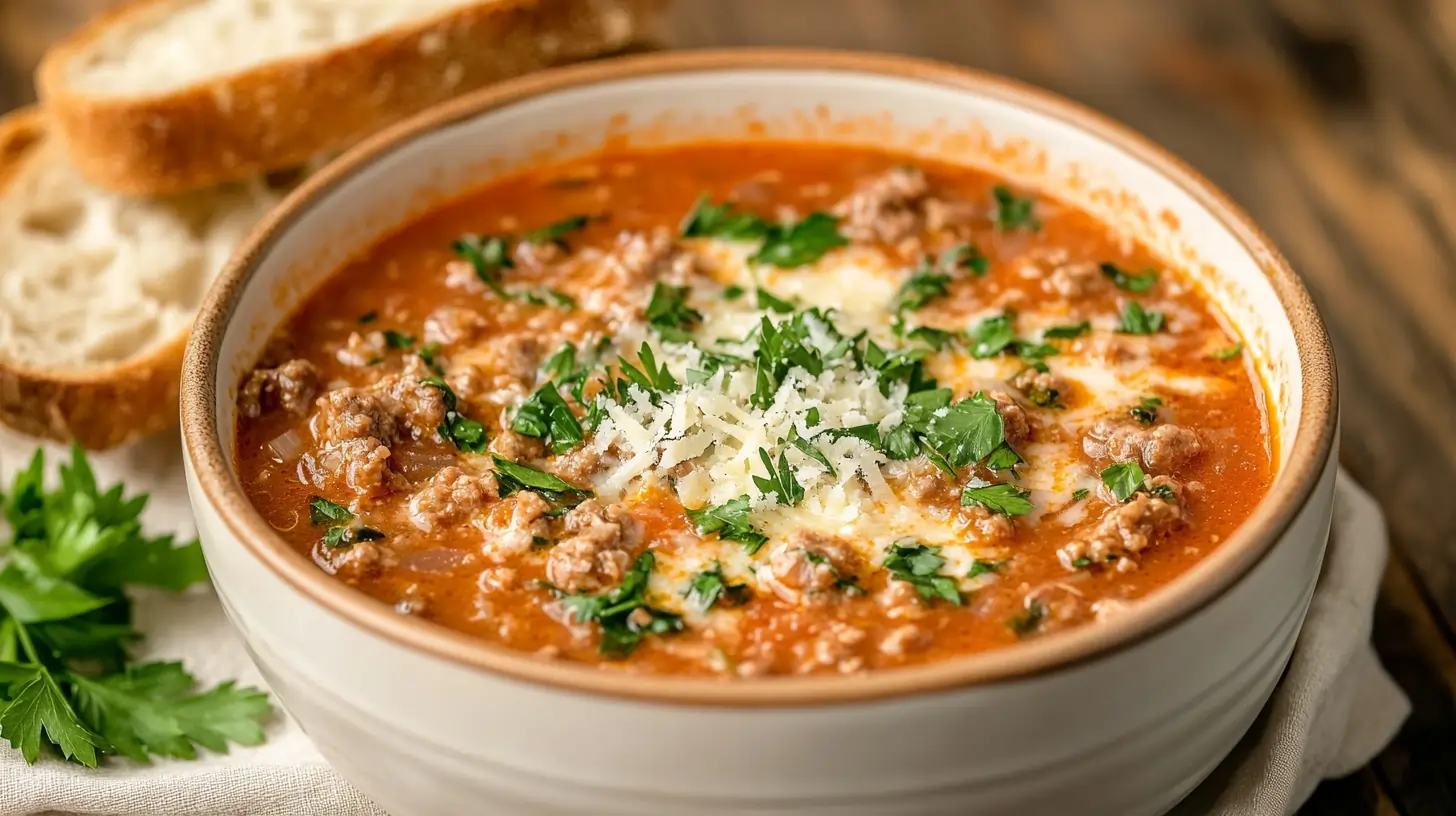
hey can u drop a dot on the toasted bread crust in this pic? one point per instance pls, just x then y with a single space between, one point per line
283 113
100 407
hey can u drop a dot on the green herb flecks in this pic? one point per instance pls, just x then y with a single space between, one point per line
1067 332
1137 282
467 434
1137 320
730 521
513 477
1030 620
1229 353
708 586
1146 411
556 233
979 568
800 243
919 566
616 611
709 220
1011 212
546 416
1123 479
1005 499
670 315
398 340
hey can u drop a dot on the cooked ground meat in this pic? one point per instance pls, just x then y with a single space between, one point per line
901 601
516 447
835 645
356 562
1160 448
896 206
1013 418
644 257
289 386
1041 388
397 406
360 465
1127 529
807 565
922 480
904 639
989 526
596 552
449 325
449 496
362 349
580 464
461 275
536 255
1073 280
512 359
525 519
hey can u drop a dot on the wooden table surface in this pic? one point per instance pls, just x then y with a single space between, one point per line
1333 123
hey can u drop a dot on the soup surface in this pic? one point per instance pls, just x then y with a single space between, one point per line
744 409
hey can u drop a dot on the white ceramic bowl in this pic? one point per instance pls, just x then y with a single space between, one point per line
1124 717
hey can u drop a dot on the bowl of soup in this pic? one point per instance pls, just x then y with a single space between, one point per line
763 431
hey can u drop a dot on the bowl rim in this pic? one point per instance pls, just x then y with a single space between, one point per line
1195 589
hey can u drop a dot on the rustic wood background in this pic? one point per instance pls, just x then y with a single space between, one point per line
1333 122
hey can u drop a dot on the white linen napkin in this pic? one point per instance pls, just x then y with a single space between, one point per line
1334 709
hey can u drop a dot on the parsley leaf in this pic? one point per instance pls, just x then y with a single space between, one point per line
467 434
1029 621
1006 499
967 257
730 521
64 620
770 302
992 336
1136 320
1146 411
321 511
919 289
1230 353
342 531
780 483
919 566
801 243
368 317
1067 332
1080 494
490 256
547 416
1013 213
979 568
1123 479
810 450
397 340
344 536
709 220
709 585
732 292
653 379
152 709
668 312
429 353
968 431
556 233
1138 282
622 630
513 477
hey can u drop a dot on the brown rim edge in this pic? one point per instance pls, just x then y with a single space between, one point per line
1297 479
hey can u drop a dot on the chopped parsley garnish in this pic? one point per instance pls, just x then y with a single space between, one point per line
1006 499
1146 411
669 313
547 416
919 566
342 531
967 431
1013 213
769 302
849 586
919 289
967 257
1081 563
1041 396
1029 621
937 339
513 477
979 568
622 630
1229 353
709 585
709 220
546 297
67 679
800 243
467 434
374 361
651 377
556 233
1138 282
898 365
368 317
781 348
733 292
397 340
1123 479
1080 494
810 450
730 521
992 336
490 255
429 353
1067 332
709 362
1136 320
780 483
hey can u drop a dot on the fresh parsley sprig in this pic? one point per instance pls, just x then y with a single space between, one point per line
66 679
467 434
622 630
342 531
730 521
919 566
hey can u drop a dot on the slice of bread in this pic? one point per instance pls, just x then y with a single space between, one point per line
97 290
161 96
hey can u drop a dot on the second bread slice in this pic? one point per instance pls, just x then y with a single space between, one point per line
161 96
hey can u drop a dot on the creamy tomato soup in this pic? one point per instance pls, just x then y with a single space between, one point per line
746 409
